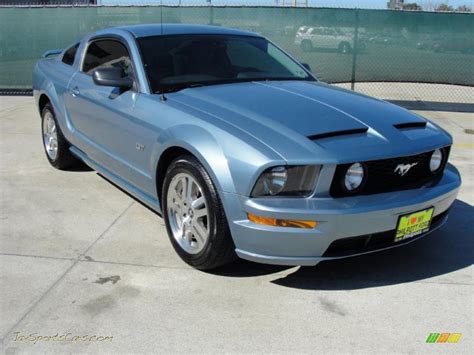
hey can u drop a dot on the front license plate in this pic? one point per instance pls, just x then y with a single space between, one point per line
413 224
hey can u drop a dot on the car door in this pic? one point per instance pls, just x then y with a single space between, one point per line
331 38
106 120
318 38
63 74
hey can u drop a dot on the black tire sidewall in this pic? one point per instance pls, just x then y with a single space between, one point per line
64 159
46 109
191 166
344 47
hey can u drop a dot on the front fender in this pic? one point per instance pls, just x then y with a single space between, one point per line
203 146
233 164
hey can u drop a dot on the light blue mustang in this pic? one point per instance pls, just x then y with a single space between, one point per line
240 148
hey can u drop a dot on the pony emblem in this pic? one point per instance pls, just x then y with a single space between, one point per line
402 169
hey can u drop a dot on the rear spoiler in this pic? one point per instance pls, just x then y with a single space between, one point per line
52 52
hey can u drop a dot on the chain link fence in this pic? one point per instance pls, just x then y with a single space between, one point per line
381 52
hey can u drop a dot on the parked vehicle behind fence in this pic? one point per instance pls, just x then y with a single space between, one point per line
310 38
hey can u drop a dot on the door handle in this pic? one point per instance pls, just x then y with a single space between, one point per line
75 91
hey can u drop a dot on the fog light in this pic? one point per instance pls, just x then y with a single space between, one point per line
354 177
268 221
436 160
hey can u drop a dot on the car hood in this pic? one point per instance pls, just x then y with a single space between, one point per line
304 120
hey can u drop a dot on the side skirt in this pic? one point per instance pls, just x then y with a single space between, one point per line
148 200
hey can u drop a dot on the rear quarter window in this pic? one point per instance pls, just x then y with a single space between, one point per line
70 54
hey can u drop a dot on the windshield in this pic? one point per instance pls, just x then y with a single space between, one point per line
179 61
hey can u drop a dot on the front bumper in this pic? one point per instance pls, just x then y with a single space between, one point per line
338 218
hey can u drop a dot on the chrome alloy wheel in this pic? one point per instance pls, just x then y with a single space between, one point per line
188 213
50 136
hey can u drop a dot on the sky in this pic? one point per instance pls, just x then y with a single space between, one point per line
370 4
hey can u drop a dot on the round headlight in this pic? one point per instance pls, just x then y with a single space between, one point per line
354 177
275 180
436 160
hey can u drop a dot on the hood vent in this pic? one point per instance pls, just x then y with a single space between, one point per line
410 125
338 133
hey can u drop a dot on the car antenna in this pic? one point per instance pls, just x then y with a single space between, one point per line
162 91
161 17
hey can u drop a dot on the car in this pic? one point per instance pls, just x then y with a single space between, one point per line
464 45
427 41
393 39
310 38
240 149
340 39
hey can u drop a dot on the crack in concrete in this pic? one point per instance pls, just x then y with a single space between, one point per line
87 260
75 262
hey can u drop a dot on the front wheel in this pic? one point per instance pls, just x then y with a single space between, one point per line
306 45
194 216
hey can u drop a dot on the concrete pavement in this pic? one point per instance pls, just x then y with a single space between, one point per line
79 258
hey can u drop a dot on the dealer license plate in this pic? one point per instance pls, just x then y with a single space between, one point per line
413 224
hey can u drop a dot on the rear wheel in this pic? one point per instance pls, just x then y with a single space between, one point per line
55 145
344 47
194 216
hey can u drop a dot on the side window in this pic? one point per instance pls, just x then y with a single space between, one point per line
107 53
70 54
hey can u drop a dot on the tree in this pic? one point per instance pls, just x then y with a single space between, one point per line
464 8
444 7
412 6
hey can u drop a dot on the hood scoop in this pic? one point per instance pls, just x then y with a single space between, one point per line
407 125
345 132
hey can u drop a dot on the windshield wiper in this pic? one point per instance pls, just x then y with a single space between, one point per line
170 89
274 78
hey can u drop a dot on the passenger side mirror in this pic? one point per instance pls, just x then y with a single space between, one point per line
306 66
112 77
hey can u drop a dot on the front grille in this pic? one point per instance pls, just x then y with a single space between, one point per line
371 242
381 175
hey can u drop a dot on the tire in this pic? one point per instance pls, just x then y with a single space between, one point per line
195 221
306 46
344 47
55 145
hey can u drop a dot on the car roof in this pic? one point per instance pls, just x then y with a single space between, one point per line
177 29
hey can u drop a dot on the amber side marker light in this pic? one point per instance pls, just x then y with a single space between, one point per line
268 221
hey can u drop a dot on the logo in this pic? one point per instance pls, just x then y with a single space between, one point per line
402 169
443 338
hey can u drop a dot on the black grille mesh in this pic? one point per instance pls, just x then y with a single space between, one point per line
371 242
382 177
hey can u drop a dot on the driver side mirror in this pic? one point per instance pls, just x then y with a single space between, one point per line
112 77
306 66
